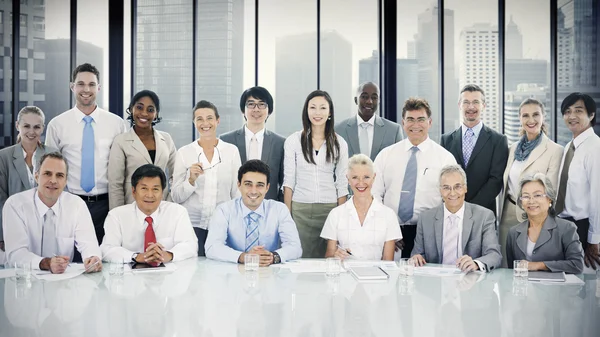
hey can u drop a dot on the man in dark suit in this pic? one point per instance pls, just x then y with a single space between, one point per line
255 142
480 151
367 133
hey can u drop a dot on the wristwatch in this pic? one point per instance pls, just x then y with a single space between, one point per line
134 257
276 258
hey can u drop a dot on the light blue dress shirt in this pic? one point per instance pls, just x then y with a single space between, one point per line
476 130
227 231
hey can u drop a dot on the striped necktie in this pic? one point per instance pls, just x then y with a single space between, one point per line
251 230
468 145
450 245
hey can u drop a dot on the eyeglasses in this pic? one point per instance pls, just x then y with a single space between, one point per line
218 159
261 105
458 188
420 120
467 103
527 198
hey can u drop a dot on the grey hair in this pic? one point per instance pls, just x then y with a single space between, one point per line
472 88
362 86
448 169
55 155
31 109
549 190
360 159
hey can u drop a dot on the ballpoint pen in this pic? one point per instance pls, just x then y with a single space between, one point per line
340 247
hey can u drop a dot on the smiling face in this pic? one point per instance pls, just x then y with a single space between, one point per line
318 111
532 117
148 194
453 190
85 87
360 178
206 122
367 101
256 116
51 179
577 119
536 203
143 112
30 128
253 188
471 107
416 125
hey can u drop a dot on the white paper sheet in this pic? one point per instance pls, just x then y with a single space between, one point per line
4 273
385 265
570 279
437 271
73 270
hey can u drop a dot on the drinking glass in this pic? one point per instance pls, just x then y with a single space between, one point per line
333 266
23 271
407 267
117 269
520 269
251 262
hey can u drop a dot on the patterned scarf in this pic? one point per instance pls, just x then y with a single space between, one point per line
525 147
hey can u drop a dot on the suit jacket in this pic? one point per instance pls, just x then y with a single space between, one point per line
272 154
385 134
13 172
128 153
479 239
485 167
558 245
545 158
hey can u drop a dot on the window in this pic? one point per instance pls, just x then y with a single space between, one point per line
22 85
39 23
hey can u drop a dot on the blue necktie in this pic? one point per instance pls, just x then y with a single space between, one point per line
468 145
407 196
251 230
87 156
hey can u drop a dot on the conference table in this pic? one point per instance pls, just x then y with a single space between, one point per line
209 298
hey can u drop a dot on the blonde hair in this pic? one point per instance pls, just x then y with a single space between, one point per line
360 159
30 109
533 101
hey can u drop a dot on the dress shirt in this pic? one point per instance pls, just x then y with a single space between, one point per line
125 227
583 186
216 185
516 170
30 173
390 165
23 215
322 183
65 133
364 241
460 216
260 136
476 130
370 129
226 239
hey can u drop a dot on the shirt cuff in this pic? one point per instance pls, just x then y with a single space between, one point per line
593 238
35 262
481 266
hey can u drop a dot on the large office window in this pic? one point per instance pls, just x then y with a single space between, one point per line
5 74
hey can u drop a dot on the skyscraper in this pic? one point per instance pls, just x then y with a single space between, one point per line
512 101
513 41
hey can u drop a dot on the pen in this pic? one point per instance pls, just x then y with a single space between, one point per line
90 266
340 247
425 171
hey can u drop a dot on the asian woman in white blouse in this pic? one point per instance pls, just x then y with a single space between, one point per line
205 173
315 164
363 226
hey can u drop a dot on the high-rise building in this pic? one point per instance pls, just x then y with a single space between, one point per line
517 71
336 72
512 101
513 41
368 68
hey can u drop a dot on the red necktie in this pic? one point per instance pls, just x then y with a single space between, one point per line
149 237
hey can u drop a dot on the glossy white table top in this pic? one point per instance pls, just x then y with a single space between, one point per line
208 298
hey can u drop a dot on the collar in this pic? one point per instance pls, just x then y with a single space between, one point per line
80 115
259 135
583 137
349 205
33 156
245 210
142 215
476 129
359 120
42 208
424 146
460 213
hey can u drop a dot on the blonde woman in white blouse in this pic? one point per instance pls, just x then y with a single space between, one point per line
363 226
205 173
315 164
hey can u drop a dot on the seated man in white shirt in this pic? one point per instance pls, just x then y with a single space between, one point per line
43 225
251 225
457 232
149 230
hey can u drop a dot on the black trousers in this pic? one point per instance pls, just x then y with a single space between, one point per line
409 232
201 234
98 211
583 225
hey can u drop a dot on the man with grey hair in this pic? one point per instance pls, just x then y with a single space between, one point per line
457 232
367 133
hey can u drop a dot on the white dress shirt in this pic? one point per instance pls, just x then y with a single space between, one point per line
583 186
364 241
260 136
370 129
23 215
125 229
460 216
390 166
30 173
214 186
322 183
65 133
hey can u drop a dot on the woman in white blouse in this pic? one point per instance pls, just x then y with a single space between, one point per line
363 226
315 164
534 153
205 173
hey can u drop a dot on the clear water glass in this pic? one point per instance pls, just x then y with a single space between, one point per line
23 271
251 262
407 267
520 269
117 269
333 266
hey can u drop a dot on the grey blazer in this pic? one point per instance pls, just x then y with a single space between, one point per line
558 245
13 173
127 153
386 133
479 239
272 154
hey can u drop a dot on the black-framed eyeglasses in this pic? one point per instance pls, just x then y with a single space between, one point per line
252 105
218 159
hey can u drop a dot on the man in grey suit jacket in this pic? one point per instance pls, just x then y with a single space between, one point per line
457 232
367 133
255 142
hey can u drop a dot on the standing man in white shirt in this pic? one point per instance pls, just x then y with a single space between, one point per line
43 224
579 178
407 172
150 230
84 136
367 133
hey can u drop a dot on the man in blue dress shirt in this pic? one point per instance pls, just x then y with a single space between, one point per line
251 225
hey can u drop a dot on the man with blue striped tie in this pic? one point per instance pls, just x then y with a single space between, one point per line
251 225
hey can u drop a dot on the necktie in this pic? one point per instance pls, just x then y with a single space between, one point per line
251 230
363 138
564 176
450 247
468 145
407 196
49 245
87 156
149 237
253 148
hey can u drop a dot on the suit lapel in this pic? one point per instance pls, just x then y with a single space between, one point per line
266 148
484 135
20 166
162 149
352 131
537 152
378 135
467 226
438 228
137 144
522 237
240 141
545 233
456 146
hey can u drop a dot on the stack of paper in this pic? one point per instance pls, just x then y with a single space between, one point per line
437 271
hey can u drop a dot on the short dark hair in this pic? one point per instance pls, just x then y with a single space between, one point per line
55 155
85 68
472 88
588 101
205 104
144 93
148 171
254 165
259 93
416 103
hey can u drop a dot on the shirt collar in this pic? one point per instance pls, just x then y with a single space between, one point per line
259 135
42 208
583 136
80 115
245 210
359 120
460 214
476 129
142 215
424 146
33 156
